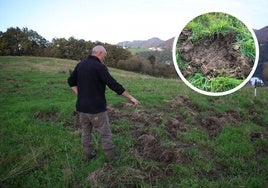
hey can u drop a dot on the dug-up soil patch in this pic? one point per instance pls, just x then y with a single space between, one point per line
46 115
149 145
213 56
108 176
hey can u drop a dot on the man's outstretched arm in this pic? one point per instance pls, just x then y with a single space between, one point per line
131 98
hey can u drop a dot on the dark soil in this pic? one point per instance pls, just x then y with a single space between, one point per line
213 56
46 115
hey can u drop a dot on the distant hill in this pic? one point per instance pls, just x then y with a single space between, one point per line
152 42
262 36
168 44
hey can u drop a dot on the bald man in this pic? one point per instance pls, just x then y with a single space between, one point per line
88 81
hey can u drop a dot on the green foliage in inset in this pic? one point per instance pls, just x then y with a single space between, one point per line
212 24
217 84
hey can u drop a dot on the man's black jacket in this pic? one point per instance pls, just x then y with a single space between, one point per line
91 78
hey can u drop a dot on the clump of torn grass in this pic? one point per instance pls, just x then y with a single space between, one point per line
217 84
215 23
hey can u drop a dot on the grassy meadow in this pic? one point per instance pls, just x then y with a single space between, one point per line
175 138
134 51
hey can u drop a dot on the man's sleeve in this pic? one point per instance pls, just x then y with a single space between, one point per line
72 80
111 82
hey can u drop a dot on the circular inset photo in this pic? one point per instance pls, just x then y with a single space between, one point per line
215 54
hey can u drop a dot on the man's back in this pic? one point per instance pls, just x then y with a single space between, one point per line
91 77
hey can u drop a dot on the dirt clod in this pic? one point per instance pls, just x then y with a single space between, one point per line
173 126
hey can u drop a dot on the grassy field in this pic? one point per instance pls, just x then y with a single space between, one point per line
134 51
175 138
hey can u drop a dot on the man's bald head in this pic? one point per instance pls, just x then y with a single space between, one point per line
98 49
100 52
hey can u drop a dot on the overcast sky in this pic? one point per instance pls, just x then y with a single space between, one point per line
114 21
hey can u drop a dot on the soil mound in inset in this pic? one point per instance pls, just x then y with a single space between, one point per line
214 56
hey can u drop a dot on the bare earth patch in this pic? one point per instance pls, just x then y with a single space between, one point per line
213 57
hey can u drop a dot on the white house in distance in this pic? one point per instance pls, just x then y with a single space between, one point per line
155 49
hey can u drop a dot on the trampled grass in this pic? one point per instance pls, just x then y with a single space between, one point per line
212 144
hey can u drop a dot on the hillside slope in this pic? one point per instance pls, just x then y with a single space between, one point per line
262 35
175 138
152 42
262 69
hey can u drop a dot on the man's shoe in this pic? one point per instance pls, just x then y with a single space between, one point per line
111 156
92 155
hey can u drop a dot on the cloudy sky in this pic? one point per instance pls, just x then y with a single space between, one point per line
113 21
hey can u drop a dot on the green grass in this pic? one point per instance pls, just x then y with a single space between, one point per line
38 149
217 84
134 51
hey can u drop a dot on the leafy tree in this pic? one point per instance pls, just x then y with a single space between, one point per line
115 54
152 59
9 41
17 42
136 64
33 43
157 56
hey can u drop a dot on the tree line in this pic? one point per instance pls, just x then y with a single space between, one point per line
26 42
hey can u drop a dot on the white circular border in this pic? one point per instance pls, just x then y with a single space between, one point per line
219 93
